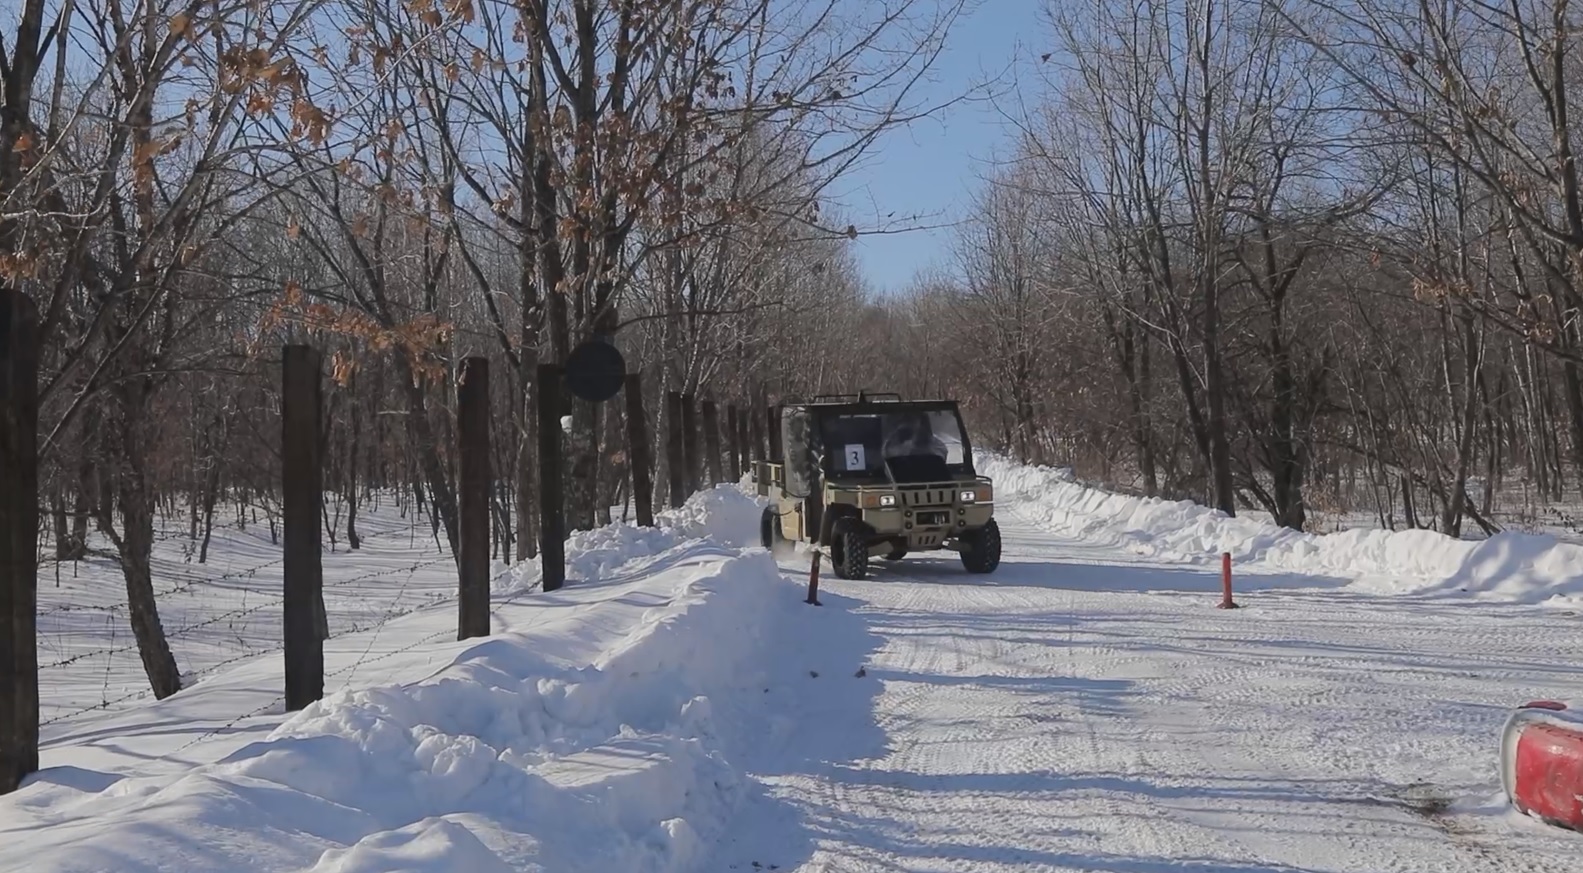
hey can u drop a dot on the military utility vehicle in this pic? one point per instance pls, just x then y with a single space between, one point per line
873 475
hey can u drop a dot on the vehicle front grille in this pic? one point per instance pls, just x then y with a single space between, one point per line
926 497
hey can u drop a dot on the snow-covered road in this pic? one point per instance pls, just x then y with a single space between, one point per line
1081 711
678 709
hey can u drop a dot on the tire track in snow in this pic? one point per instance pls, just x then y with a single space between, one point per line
953 731
1061 716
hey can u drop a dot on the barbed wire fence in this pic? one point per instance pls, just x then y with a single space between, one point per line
250 602
216 618
369 656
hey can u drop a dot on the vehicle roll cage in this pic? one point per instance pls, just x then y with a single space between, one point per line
843 404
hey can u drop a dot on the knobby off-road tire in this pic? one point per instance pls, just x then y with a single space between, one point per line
770 535
983 549
849 552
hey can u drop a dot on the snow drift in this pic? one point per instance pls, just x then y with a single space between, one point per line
512 756
725 515
1511 567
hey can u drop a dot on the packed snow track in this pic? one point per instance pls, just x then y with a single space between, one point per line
1078 711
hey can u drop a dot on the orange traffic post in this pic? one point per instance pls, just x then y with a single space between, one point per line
1225 582
813 581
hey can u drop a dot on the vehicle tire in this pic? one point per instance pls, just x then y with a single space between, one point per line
849 552
896 555
770 535
983 549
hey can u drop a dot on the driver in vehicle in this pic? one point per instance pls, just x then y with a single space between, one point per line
912 436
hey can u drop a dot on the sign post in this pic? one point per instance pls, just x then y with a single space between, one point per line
594 372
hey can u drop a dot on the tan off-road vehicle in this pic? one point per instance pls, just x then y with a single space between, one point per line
873 475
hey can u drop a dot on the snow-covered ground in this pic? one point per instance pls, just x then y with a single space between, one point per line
677 707
576 737
1088 710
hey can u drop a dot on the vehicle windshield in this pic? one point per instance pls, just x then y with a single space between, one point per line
916 445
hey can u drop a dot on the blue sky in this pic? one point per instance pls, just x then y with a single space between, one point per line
933 168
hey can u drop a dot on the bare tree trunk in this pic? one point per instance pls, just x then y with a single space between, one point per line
63 547
352 538
81 512
135 543
1215 426
1457 502
195 496
1409 511
527 489
1286 467
441 496
210 498
1572 390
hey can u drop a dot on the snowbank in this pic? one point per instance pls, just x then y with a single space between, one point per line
506 758
725 515
1512 567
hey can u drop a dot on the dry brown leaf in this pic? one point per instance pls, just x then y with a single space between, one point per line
341 367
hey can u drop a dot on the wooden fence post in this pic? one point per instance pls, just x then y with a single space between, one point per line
552 508
638 451
473 475
675 455
712 442
18 539
690 446
301 402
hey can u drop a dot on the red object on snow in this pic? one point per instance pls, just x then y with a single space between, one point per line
1225 582
1542 763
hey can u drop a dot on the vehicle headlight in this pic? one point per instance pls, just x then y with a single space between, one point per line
887 500
968 497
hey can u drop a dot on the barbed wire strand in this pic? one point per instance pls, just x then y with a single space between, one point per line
366 658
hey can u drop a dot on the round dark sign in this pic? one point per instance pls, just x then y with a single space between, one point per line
595 371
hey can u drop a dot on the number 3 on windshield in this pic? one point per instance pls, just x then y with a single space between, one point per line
855 459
